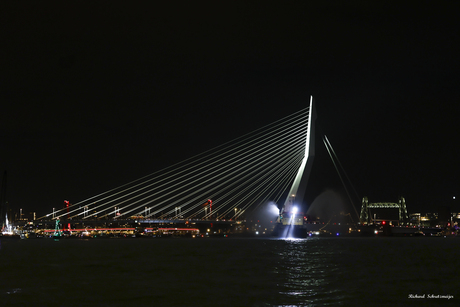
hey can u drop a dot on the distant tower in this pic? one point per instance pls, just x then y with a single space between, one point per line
297 192
3 201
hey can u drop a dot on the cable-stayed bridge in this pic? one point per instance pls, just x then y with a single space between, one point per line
228 182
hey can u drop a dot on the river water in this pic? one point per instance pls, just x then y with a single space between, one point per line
231 272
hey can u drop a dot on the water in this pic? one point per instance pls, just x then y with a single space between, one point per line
229 272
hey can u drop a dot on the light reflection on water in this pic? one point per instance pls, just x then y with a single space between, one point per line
228 272
307 273
366 271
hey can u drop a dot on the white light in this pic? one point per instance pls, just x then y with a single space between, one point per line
294 210
274 210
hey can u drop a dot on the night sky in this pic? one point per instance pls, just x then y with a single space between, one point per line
99 94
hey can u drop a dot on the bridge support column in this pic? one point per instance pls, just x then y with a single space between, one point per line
297 191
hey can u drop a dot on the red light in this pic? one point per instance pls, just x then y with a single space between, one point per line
383 223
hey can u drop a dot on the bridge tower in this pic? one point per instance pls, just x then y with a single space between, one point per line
297 191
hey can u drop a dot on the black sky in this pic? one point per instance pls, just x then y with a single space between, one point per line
98 94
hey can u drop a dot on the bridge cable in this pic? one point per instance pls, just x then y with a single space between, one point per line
340 176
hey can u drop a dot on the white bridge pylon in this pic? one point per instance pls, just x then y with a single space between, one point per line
235 177
297 191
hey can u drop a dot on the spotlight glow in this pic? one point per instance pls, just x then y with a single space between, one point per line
274 210
294 210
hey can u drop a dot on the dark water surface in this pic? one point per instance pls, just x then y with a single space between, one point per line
230 272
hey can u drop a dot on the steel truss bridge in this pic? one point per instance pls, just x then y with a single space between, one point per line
366 216
227 182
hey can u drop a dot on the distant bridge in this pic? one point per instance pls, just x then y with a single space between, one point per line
366 215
